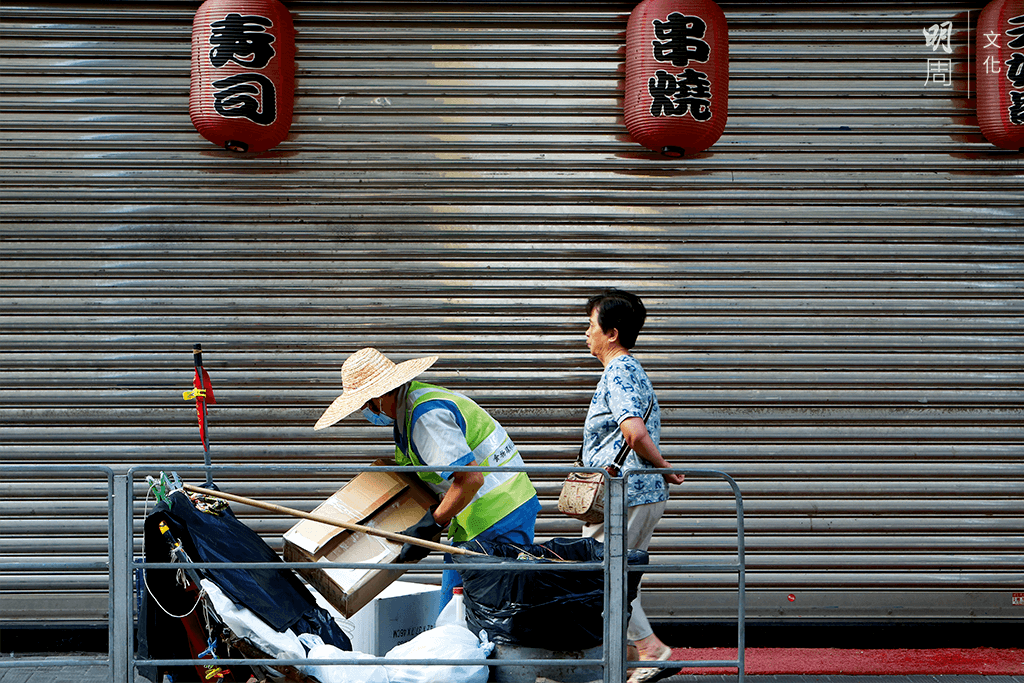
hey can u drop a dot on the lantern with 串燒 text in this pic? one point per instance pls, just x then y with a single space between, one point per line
1000 69
243 73
677 75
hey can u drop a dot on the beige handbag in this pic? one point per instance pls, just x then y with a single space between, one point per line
582 493
582 496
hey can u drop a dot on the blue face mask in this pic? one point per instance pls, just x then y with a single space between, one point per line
379 420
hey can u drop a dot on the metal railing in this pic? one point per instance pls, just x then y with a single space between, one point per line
116 564
122 658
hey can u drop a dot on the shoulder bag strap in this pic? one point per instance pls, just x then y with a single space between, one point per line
623 453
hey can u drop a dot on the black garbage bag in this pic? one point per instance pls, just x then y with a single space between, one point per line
275 595
556 610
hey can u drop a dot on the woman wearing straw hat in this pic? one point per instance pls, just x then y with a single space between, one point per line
435 427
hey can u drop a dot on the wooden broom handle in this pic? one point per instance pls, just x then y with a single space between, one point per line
390 535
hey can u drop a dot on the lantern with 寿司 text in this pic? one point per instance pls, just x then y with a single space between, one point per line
243 73
1000 69
677 75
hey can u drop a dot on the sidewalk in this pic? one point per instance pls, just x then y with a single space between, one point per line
93 669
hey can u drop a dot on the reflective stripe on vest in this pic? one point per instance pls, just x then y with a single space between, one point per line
502 492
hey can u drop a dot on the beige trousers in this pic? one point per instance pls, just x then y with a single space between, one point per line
640 523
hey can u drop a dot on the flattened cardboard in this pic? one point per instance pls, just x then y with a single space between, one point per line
391 501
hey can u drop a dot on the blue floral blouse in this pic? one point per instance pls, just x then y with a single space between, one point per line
624 391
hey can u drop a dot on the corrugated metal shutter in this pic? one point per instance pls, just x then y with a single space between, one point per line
835 287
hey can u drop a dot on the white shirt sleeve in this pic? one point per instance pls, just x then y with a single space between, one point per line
439 441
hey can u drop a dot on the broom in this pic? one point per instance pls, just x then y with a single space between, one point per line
389 535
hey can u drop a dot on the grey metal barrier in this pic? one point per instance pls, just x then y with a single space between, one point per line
739 566
121 522
115 566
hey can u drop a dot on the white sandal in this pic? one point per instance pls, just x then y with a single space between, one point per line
649 673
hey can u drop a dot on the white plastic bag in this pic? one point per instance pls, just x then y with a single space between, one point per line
447 641
339 673
346 625
246 624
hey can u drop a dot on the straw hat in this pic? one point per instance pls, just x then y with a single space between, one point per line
367 374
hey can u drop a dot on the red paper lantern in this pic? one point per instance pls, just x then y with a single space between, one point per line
677 75
243 73
1000 69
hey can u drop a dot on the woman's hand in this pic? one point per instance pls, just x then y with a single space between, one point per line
673 478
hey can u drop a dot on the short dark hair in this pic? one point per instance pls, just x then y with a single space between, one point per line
619 310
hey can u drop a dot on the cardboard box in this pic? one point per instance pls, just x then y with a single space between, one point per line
401 612
392 501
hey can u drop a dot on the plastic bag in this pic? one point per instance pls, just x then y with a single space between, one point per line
339 673
554 610
246 624
345 624
447 641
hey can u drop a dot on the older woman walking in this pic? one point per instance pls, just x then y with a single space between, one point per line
623 395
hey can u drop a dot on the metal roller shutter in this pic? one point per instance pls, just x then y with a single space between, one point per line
835 288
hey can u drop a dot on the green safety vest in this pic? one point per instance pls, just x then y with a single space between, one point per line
502 492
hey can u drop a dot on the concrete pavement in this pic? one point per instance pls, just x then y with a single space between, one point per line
91 668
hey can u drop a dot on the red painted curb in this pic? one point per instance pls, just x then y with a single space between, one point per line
835 661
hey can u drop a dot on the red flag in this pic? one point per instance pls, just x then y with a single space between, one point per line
202 392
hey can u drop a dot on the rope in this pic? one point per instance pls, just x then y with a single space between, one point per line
179 575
